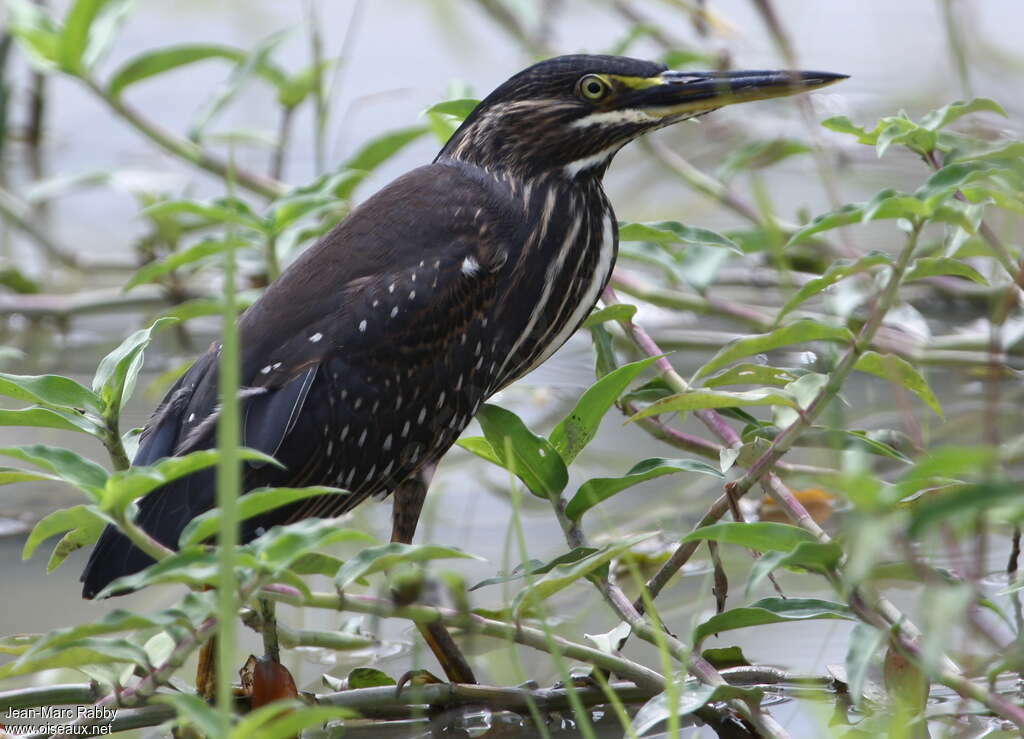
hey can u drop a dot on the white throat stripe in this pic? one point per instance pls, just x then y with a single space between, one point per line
629 115
580 165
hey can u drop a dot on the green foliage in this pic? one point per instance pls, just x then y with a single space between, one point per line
578 428
671 232
563 575
255 502
533 459
771 611
388 556
798 332
694 697
599 489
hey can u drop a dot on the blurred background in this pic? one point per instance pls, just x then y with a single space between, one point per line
80 190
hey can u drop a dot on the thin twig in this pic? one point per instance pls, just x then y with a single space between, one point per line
185 149
527 635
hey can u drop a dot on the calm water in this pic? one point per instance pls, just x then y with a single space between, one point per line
402 55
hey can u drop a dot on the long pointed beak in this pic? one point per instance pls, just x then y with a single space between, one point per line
675 93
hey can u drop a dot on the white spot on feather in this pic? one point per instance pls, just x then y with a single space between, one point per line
316 337
470 266
362 325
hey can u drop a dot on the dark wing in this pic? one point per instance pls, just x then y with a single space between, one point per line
329 353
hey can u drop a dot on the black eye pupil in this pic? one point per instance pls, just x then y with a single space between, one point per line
594 88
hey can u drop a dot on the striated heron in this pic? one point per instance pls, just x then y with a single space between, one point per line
367 358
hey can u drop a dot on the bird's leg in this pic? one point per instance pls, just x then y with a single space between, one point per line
408 502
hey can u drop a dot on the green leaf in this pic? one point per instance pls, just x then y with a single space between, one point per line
85 517
902 130
255 63
564 575
192 709
103 30
899 371
160 267
932 266
865 642
804 390
18 643
942 117
194 566
946 181
215 213
49 389
86 651
771 611
295 89
793 333
283 545
701 399
37 32
533 459
456 108
291 724
890 203
368 677
944 505
842 124
692 697
48 419
617 312
68 466
838 270
672 232
807 555
11 475
72 541
387 556
844 216
599 489
316 563
761 536
125 486
946 463
577 429
378 150
536 567
751 374
253 503
724 657
194 609
758 155
873 442
75 37
115 377
604 351
479 446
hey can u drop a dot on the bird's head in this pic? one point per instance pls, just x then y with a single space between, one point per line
571 114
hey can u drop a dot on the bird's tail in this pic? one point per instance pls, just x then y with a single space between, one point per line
114 556
163 514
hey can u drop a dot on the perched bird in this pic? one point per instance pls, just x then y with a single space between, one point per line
365 360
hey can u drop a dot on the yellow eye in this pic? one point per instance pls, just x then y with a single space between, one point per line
593 88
